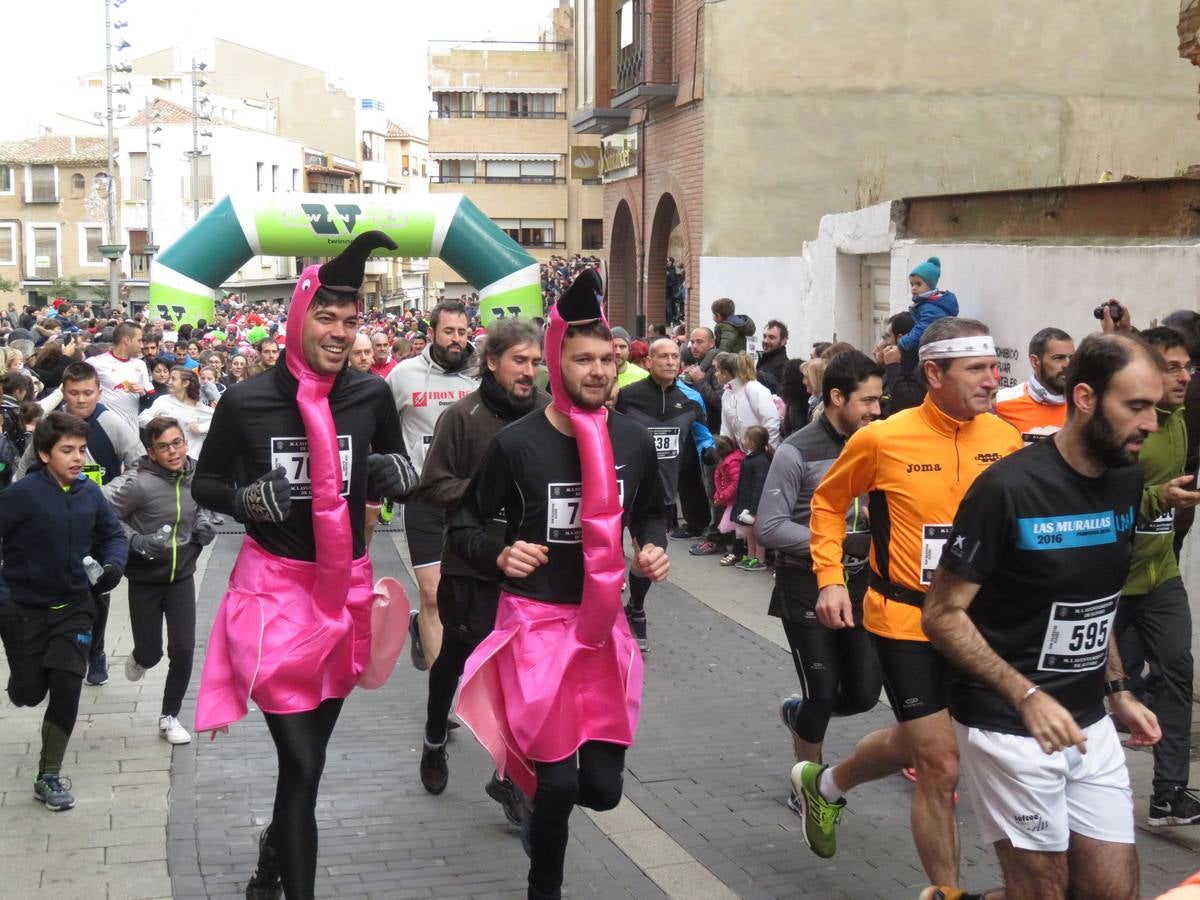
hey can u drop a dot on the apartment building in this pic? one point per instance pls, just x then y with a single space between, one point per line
393 161
53 214
730 129
499 134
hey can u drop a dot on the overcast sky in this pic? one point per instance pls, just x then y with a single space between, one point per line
377 48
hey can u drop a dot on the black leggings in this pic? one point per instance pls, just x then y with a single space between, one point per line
443 682
103 601
149 604
591 778
300 740
839 674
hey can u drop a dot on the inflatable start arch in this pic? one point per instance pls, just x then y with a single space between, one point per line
185 277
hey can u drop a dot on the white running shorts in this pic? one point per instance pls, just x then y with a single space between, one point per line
1036 800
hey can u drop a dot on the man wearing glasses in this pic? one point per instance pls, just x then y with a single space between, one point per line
1154 601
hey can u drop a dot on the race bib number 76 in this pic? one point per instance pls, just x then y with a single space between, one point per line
564 511
292 454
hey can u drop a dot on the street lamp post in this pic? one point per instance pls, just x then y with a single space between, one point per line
112 251
150 247
197 116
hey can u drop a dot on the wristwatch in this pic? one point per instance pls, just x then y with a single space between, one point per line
1117 685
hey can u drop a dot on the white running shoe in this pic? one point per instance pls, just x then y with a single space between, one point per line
172 732
133 671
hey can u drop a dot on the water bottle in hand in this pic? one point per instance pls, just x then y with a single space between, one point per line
93 569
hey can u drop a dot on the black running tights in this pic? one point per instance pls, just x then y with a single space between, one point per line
591 778
444 674
839 674
300 740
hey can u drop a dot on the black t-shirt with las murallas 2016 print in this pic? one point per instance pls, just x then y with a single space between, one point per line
1050 549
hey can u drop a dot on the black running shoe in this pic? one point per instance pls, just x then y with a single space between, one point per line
510 797
1178 806
54 791
637 624
98 670
265 883
415 649
789 711
435 774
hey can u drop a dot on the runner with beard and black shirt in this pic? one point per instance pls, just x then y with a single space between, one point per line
467 598
554 691
660 404
423 388
1023 605
293 454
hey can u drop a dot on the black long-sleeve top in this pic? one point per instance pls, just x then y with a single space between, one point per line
257 426
531 475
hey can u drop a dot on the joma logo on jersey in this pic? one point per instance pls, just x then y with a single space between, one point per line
424 398
923 467
988 458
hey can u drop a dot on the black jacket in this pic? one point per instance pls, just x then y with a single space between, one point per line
770 367
750 483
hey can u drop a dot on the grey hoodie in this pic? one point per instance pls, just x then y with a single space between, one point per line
147 497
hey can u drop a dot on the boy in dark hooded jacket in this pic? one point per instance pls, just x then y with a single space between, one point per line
50 522
730 330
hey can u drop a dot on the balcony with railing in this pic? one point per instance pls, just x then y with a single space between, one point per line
497 179
643 53
139 266
201 189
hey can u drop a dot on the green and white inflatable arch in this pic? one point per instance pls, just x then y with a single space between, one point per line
186 275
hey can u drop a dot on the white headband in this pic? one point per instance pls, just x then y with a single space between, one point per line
955 348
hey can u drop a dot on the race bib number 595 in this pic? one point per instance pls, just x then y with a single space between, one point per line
292 454
1077 635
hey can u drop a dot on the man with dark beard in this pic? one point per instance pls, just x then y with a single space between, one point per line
1023 604
1037 408
467 598
424 387
554 692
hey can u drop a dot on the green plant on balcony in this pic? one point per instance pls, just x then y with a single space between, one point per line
7 286
66 288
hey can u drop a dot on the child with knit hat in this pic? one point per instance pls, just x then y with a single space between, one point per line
929 304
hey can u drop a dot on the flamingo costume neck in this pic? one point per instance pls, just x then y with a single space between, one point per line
601 513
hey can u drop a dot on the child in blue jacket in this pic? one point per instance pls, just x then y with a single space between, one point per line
49 521
929 304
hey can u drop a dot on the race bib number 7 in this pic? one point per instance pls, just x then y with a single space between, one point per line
1077 635
292 454
564 511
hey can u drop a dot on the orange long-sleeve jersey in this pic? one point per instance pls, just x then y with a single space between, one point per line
916 466
1036 421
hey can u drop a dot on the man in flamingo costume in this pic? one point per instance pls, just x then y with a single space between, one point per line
554 691
293 454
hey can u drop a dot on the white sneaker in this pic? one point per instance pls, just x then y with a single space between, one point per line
172 732
133 671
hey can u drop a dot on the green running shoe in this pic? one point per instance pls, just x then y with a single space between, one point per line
386 511
820 816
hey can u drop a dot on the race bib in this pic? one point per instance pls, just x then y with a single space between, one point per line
426 440
292 454
564 509
933 539
1077 635
1164 524
666 442
94 472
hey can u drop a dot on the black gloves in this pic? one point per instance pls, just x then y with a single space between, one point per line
151 546
709 456
267 500
109 579
390 476
203 532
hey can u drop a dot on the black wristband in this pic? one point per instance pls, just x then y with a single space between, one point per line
1117 685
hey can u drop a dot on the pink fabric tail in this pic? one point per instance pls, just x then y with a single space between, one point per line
603 557
390 609
274 641
533 691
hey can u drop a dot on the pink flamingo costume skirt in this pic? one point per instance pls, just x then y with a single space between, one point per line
534 692
275 642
